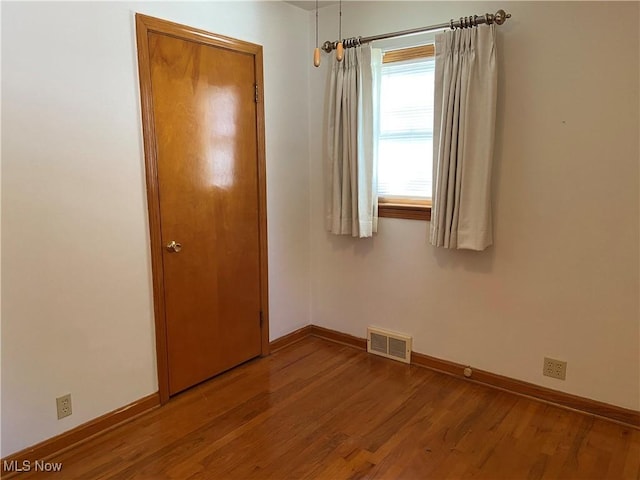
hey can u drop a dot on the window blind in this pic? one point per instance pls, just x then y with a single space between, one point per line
405 147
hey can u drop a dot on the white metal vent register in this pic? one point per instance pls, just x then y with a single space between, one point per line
389 344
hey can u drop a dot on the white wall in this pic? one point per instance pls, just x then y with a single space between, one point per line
77 312
562 277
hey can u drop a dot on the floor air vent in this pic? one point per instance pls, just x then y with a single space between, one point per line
388 344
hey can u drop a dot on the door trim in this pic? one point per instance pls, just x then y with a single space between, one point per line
144 26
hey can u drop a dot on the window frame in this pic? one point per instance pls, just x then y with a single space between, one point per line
406 207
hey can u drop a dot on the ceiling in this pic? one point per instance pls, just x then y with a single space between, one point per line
310 4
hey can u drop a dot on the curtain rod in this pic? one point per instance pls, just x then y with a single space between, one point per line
465 22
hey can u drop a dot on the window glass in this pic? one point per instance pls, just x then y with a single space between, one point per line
405 147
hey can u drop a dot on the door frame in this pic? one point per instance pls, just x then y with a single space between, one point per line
145 25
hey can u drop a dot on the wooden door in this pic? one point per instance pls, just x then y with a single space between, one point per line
205 178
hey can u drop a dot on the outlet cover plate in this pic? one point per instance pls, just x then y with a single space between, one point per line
64 406
554 368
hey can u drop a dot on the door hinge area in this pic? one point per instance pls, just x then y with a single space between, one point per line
256 85
261 319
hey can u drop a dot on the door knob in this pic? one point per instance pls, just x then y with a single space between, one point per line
174 247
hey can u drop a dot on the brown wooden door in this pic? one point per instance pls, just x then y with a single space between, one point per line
205 121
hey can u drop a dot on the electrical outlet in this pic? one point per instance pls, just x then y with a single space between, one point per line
64 406
554 368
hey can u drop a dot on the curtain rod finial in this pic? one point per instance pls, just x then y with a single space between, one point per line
500 17
328 46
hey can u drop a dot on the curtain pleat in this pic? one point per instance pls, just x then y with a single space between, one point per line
351 192
464 126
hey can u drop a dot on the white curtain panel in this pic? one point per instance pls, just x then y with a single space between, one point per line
466 76
352 199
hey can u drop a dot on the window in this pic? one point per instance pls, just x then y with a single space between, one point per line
405 144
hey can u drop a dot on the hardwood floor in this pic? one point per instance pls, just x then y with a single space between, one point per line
320 410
